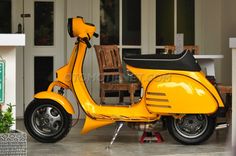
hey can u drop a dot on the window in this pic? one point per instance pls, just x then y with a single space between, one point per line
185 23
165 22
131 22
109 22
120 24
43 23
43 72
5 16
173 17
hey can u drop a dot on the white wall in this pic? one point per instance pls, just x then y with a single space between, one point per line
215 23
208 30
228 30
16 19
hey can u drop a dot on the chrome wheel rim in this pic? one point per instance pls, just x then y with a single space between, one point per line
191 126
47 120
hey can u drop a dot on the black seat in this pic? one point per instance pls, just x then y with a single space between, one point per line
183 61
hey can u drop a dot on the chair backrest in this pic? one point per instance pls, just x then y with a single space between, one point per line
169 49
109 62
166 49
194 49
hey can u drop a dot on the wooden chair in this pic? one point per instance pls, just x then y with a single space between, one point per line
169 49
227 91
166 49
110 66
194 49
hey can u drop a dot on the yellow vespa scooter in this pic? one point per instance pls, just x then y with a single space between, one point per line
176 92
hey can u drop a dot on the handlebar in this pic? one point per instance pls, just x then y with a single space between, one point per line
86 40
96 35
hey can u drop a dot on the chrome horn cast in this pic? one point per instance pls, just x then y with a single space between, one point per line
47 120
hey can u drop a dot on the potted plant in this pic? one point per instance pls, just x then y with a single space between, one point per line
12 142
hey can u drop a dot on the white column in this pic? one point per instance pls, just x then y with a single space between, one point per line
232 45
8 44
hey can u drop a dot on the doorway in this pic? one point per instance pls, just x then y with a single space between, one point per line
44 26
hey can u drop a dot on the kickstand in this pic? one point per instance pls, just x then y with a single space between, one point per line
117 130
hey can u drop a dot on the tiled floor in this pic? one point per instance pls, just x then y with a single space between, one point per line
126 144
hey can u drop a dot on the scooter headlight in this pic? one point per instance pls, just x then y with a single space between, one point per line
78 28
73 26
69 27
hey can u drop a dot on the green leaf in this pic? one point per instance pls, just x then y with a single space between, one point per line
6 119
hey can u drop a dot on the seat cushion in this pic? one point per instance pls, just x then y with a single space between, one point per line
183 61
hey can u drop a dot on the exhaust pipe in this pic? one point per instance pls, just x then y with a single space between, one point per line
222 126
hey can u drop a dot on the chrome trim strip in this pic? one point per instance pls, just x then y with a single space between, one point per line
161 106
159 100
156 93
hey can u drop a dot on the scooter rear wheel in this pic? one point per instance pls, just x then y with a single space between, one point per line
191 129
47 121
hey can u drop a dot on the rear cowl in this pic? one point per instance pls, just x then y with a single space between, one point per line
182 94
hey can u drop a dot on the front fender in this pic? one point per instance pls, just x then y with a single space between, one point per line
58 98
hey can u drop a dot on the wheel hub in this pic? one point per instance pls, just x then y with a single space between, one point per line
47 120
191 126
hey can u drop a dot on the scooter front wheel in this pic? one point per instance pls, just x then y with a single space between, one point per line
191 129
47 121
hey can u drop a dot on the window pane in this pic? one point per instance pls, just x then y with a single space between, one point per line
131 22
164 22
43 23
5 16
43 73
130 52
109 22
185 20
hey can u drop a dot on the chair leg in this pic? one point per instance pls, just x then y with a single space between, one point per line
229 111
102 96
131 92
121 96
132 98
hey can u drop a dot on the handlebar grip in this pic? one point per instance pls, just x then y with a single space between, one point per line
95 35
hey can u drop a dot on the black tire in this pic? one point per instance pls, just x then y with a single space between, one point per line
192 129
47 121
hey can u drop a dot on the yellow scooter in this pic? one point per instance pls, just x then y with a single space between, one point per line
175 92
